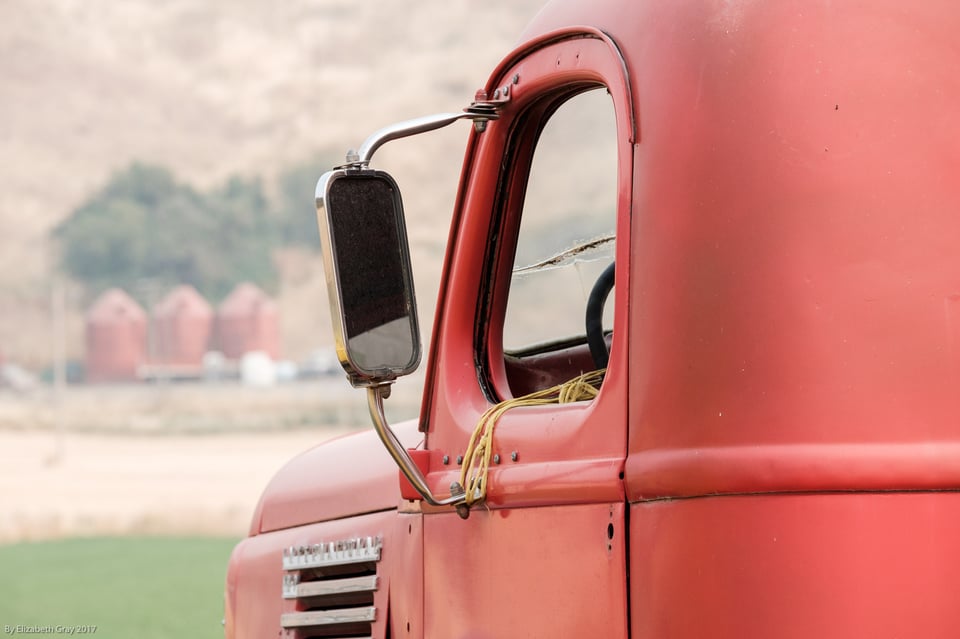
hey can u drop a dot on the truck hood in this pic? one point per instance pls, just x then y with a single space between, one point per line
348 476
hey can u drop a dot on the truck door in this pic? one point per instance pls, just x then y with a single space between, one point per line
543 207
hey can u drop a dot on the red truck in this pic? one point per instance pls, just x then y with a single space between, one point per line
730 228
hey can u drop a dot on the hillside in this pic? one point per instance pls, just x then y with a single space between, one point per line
219 88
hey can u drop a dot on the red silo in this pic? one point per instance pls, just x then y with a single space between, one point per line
182 323
116 336
248 321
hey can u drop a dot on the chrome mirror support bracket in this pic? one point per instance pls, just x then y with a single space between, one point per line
375 396
479 112
400 130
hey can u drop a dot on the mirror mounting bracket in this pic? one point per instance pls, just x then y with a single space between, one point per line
480 111
375 396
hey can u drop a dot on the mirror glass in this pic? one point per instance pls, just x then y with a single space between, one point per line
368 240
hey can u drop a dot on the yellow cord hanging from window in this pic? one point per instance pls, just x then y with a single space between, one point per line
476 460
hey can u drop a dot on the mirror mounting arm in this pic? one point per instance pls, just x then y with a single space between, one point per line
375 396
479 112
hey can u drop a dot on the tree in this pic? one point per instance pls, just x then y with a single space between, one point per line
145 226
296 213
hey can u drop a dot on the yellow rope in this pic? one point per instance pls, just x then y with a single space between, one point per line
476 460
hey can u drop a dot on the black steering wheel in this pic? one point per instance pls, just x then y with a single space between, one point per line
594 320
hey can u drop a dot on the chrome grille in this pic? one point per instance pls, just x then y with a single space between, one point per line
331 586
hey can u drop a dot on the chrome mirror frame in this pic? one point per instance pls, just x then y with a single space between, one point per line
359 375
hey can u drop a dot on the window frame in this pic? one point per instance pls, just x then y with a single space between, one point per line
569 453
519 153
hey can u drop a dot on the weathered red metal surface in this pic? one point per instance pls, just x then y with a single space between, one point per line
532 572
348 476
829 565
796 274
794 314
254 599
567 454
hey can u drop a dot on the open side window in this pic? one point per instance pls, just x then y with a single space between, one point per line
559 238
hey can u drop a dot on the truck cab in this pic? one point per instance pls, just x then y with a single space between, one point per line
735 222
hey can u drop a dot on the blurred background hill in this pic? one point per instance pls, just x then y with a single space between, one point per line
234 109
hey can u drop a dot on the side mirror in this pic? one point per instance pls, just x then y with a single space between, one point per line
367 262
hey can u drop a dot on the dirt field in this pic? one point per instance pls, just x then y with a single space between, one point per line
148 460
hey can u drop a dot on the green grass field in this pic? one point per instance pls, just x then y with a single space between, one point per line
127 587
